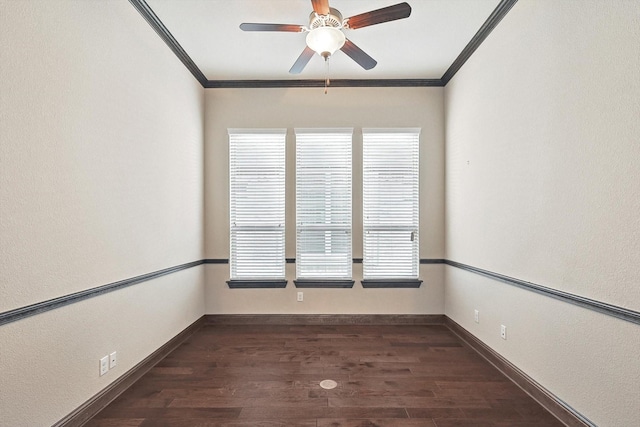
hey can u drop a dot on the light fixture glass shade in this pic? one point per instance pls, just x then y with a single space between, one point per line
325 40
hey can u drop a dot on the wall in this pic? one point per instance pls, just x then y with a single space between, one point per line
100 181
543 185
341 107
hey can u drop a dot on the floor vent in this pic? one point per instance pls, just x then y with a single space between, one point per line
328 384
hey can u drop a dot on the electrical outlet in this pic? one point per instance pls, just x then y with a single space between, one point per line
300 296
503 332
112 360
476 316
104 365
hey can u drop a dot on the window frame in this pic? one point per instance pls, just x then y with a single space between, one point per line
387 234
273 174
337 186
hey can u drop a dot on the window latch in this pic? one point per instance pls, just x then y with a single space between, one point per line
413 236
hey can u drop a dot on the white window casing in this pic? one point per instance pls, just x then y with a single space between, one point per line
257 203
323 203
391 203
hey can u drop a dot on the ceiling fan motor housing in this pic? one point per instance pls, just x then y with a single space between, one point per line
333 19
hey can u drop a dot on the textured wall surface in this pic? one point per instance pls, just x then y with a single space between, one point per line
50 362
341 107
101 175
543 184
100 180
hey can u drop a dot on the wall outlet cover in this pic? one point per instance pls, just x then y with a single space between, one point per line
104 365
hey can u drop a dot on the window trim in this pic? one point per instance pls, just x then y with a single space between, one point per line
258 281
400 281
390 283
320 281
256 284
324 283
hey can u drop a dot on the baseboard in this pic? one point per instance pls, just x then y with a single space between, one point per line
324 319
98 402
561 410
548 400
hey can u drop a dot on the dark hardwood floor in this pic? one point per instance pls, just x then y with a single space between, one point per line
268 376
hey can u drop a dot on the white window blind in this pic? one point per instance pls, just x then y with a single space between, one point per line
257 203
323 203
390 203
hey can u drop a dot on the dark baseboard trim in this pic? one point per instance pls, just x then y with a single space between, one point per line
390 283
548 400
41 307
256 284
494 19
319 283
91 407
324 319
601 307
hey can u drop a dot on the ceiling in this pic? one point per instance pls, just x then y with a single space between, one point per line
422 46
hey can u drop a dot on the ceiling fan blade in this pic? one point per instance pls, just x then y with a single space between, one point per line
271 27
321 7
386 14
302 60
358 55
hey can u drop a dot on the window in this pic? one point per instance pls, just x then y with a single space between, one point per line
323 204
257 204
390 203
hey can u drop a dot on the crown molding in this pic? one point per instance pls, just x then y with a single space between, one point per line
492 21
149 15
250 84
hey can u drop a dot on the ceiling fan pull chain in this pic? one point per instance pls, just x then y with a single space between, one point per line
327 82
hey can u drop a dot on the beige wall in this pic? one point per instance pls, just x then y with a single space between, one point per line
100 180
543 185
341 107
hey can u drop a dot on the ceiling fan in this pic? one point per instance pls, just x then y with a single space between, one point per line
325 35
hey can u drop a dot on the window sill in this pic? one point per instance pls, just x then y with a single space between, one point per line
320 283
256 284
391 283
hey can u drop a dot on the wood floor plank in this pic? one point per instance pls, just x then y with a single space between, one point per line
321 413
410 401
206 422
368 422
269 376
167 413
117 422
230 402
435 413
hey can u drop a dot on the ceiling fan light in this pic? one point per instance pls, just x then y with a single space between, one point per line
325 40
